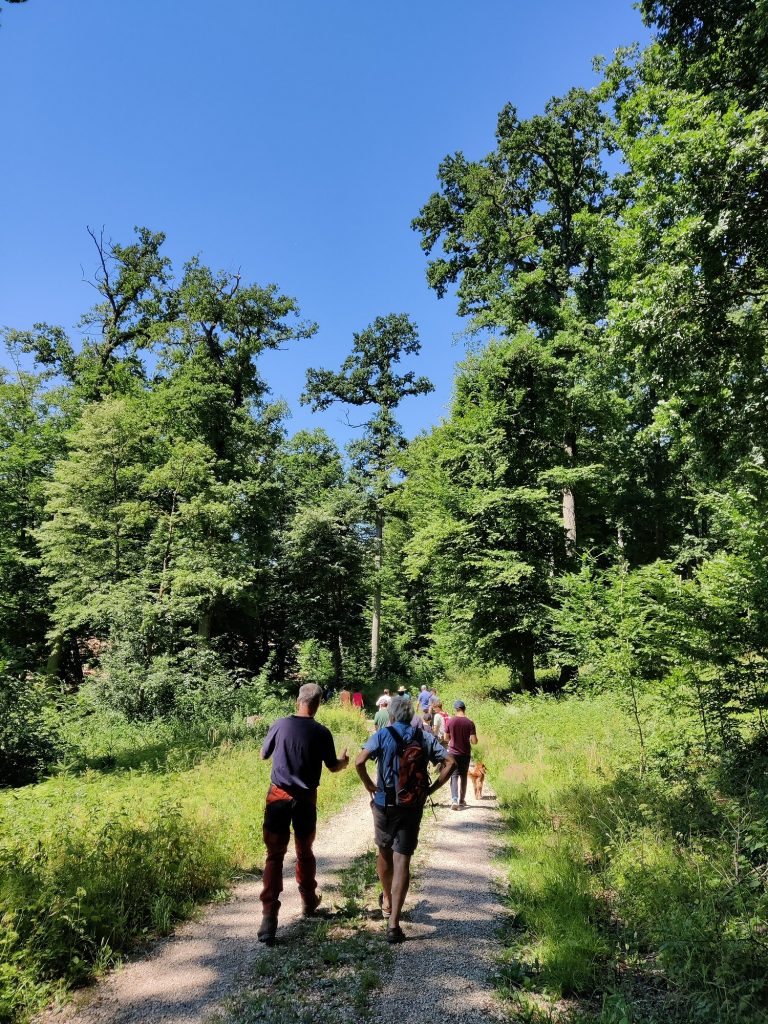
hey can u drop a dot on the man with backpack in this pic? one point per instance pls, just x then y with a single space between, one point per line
402 754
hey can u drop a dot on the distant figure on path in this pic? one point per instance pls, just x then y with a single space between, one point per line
299 747
438 721
345 697
462 735
402 786
357 700
424 696
381 718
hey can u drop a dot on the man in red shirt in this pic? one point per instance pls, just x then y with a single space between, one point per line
461 735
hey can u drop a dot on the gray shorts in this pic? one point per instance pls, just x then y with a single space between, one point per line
397 828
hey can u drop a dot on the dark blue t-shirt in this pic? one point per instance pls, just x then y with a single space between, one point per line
383 746
298 746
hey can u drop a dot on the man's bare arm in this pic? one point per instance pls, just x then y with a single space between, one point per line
362 771
446 770
473 738
342 762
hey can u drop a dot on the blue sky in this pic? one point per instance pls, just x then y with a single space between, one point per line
291 140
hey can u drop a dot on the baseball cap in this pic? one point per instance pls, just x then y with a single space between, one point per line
459 705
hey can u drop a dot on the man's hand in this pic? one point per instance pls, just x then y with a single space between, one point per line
343 761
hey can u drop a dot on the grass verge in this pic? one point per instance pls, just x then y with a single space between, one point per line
637 898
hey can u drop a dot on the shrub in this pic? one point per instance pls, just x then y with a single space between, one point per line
30 737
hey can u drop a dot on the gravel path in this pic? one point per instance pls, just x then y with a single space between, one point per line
451 919
185 977
452 914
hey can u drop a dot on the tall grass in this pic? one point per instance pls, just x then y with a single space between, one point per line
641 895
89 861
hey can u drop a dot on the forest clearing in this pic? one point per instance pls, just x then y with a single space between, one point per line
234 521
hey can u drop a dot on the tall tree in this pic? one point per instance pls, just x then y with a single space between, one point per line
525 235
485 539
368 378
135 307
31 439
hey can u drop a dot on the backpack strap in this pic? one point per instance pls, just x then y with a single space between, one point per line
401 744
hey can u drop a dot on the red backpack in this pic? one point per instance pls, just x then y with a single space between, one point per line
412 774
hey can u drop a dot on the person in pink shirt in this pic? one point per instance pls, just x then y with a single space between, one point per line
461 735
357 700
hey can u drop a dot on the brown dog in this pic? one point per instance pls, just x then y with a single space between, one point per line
477 774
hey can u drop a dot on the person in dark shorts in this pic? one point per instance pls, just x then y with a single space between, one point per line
396 828
461 734
299 747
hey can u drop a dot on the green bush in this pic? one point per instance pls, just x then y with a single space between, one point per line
30 736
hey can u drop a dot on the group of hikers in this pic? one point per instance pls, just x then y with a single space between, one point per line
403 746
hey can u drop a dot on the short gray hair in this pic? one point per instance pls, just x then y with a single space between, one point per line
310 694
400 710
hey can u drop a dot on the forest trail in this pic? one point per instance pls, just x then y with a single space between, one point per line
451 917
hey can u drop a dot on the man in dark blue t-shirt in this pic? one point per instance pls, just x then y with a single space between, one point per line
299 747
396 827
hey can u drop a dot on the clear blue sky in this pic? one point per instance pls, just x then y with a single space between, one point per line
293 140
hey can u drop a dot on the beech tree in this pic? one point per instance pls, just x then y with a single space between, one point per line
525 235
368 378
485 540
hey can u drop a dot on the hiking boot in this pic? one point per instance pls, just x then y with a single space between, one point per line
267 930
308 909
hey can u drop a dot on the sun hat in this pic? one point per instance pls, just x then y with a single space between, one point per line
459 705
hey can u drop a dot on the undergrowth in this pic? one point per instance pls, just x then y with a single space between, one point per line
636 895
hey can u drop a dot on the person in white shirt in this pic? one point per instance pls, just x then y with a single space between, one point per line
438 722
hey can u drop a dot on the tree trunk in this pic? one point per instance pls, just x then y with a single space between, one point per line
522 674
338 663
55 659
376 618
204 626
569 503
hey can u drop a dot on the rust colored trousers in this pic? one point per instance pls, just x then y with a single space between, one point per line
286 810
